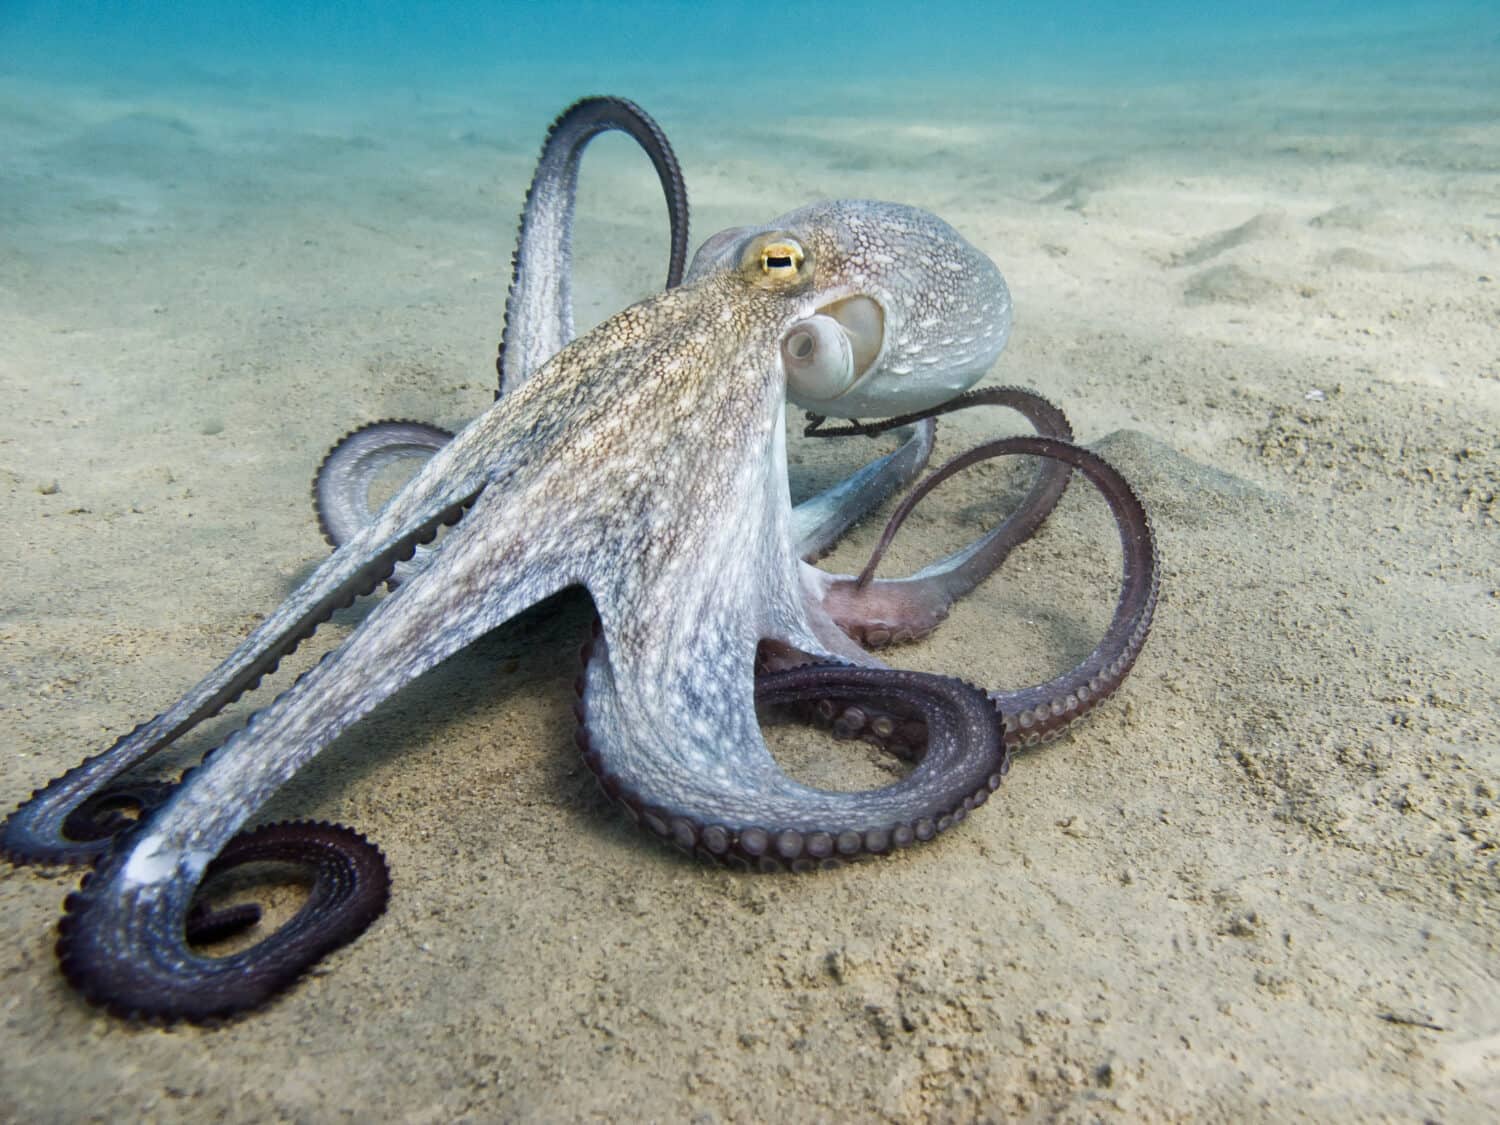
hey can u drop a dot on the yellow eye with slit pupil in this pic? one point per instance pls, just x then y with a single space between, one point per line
780 259
777 262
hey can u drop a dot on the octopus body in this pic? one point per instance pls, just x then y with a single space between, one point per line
645 462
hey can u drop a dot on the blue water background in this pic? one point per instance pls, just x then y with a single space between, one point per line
760 57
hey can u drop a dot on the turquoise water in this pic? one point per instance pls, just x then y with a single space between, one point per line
780 52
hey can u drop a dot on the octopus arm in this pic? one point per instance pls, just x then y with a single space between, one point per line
878 612
124 942
1043 711
539 307
37 832
723 796
820 521
342 486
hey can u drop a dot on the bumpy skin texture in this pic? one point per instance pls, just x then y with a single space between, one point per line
645 462
539 322
946 309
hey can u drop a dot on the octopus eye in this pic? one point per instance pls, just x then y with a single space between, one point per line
781 259
777 263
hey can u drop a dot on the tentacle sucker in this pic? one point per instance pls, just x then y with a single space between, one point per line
961 762
152 972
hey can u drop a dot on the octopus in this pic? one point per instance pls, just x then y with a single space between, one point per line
645 462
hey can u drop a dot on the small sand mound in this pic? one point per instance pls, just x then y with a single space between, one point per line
1174 485
1352 258
1227 284
1346 216
1269 224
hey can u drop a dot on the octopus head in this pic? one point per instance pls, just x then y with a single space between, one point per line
889 309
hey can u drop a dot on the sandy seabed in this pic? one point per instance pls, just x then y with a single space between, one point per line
1261 883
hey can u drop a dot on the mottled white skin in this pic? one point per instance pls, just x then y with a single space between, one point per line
342 487
539 323
938 341
643 462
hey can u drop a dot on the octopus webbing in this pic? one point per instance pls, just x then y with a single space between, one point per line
644 461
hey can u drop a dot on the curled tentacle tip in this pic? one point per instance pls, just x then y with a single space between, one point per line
131 954
106 814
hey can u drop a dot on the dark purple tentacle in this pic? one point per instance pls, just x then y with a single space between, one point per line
960 762
903 609
1042 712
539 305
152 973
982 557
204 925
104 815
